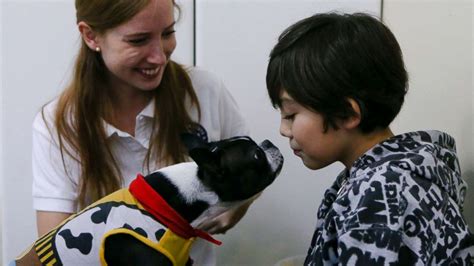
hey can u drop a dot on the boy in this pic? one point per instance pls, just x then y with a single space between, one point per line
339 80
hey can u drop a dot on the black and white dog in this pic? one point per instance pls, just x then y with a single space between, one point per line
152 222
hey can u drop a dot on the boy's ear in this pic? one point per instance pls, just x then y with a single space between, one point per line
88 35
354 120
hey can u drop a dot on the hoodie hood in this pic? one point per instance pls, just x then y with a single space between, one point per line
430 155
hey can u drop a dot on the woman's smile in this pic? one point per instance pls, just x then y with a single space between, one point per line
149 73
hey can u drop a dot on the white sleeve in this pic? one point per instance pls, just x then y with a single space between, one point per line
54 188
232 121
220 115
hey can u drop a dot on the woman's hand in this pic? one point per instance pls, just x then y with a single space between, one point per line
228 219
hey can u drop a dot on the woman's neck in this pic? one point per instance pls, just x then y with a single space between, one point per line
126 104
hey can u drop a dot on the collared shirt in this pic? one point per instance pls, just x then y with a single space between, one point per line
55 188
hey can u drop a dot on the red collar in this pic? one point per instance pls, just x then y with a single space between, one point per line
159 208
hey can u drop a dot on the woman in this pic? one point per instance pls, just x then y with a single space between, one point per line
123 111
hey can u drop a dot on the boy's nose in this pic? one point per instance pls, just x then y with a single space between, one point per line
285 129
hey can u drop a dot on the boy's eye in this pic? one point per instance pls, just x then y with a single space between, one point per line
289 117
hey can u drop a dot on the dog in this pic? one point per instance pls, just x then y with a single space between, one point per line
153 221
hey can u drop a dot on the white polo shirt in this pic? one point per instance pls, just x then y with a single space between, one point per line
55 187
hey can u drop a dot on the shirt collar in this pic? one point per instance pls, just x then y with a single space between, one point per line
148 111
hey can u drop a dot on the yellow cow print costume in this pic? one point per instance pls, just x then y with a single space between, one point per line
138 211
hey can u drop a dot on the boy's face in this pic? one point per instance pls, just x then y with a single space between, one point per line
305 130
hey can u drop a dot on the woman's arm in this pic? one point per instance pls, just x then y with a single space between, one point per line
45 221
54 191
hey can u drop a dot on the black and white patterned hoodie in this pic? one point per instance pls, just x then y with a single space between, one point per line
399 204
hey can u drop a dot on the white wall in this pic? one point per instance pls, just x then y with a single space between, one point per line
436 39
1 139
234 39
36 58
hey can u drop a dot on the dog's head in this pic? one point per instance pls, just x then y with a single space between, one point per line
236 168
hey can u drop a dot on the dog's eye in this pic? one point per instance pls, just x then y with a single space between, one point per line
257 156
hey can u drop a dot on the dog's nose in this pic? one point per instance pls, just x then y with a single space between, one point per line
266 144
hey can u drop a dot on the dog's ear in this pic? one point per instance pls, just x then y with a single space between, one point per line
192 141
205 159
200 151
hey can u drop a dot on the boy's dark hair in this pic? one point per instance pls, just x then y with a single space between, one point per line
323 60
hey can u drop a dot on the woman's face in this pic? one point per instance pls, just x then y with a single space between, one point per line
137 51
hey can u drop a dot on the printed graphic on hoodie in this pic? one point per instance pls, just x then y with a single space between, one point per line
399 204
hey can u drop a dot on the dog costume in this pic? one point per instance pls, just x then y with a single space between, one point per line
148 218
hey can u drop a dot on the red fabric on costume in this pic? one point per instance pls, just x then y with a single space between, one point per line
159 208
